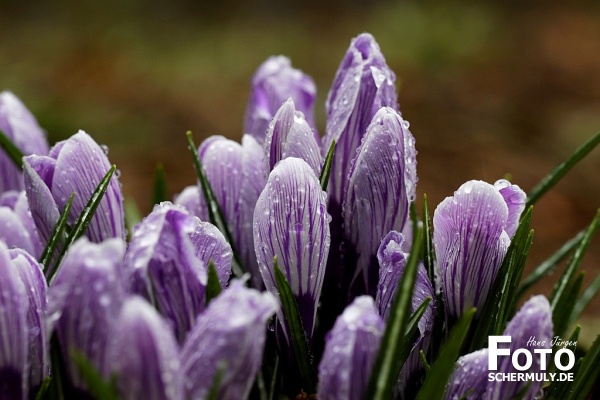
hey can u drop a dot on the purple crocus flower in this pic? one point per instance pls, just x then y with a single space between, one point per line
23 348
167 263
17 228
381 184
189 198
363 84
228 339
84 299
273 83
76 165
291 223
237 177
470 377
471 239
23 130
143 354
515 199
350 351
289 135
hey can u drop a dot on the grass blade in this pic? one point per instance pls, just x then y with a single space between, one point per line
584 299
435 381
388 363
13 152
97 386
159 189
562 315
298 337
215 214
561 170
324 178
587 374
428 250
213 287
411 330
58 235
557 389
132 216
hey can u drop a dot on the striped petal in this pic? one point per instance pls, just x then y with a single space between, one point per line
210 245
381 185
470 243
190 199
38 172
291 223
350 351
83 300
273 83
144 355
289 135
17 228
22 128
229 339
470 377
515 199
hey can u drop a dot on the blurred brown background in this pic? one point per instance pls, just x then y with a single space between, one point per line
489 89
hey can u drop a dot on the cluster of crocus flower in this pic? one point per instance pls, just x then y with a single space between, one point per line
139 311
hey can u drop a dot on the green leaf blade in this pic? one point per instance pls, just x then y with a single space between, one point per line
11 150
57 236
213 287
326 170
159 188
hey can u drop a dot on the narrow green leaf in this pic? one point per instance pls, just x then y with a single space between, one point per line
298 337
215 214
549 264
58 385
428 250
97 386
43 390
274 379
84 219
557 173
213 392
587 374
58 235
13 152
558 389
424 361
567 276
388 363
324 178
562 315
159 189
412 326
584 299
213 286
132 215
435 381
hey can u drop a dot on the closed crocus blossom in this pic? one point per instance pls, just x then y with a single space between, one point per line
289 135
228 339
469 379
470 241
17 228
381 184
291 223
143 354
273 83
236 174
83 300
76 165
363 84
167 262
350 351
21 127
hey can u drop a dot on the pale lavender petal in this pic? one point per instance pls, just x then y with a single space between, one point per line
515 199
534 319
350 351
381 185
210 245
161 264
84 299
144 355
37 171
289 135
470 243
229 336
470 377
291 222
190 199
22 128
32 276
363 84
13 330
273 83
17 228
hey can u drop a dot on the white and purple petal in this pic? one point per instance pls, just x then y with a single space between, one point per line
228 338
515 199
291 223
469 379
17 228
190 199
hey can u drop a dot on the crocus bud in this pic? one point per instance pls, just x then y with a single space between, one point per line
350 351
381 184
227 341
76 165
83 300
469 379
143 354
21 127
291 223
289 135
362 85
470 241
17 228
167 261
189 198
273 83
236 174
